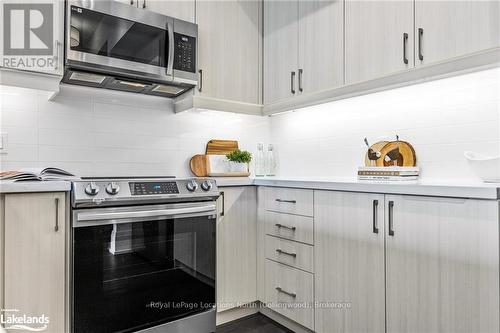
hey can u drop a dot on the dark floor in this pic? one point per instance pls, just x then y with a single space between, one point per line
256 323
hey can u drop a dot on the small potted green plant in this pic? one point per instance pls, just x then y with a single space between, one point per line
239 160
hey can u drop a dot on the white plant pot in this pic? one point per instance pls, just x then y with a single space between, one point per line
238 167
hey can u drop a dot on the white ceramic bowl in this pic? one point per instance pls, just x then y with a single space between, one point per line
485 167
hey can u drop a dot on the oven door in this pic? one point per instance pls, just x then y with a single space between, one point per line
143 266
118 39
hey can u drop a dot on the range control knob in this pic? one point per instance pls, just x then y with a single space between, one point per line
92 189
192 185
112 188
206 185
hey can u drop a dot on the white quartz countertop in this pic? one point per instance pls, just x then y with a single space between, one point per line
34 186
454 189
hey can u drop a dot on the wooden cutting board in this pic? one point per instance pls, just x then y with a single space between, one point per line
199 165
407 156
221 147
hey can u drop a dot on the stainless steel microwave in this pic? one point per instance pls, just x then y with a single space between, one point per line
113 45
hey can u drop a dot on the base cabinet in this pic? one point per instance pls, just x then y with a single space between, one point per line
441 263
442 260
349 261
34 248
237 247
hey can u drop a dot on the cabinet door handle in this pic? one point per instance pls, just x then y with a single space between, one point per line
391 218
143 3
132 2
285 227
223 203
375 216
280 251
292 82
56 227
279 289
420 36
287 201
405 42
300 79
200 83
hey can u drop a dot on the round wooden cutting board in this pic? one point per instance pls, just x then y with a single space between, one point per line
407 156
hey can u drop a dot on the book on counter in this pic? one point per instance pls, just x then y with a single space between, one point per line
395 173
37 174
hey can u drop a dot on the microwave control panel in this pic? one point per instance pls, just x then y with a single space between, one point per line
184 53
148 188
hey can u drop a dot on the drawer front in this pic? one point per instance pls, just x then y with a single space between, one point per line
289 200
289 291
294 227
289 252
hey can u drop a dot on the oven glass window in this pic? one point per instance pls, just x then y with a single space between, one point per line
132 276
97 33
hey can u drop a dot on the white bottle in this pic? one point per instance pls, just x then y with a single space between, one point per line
271 161
260 168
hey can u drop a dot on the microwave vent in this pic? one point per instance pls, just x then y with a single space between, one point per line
87 77
171 90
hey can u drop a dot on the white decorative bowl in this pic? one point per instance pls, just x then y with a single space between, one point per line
485 167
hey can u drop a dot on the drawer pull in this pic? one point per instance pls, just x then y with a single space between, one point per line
285 226
280 290
280 251
287 201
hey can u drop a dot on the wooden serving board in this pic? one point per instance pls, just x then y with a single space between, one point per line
199 165
221 147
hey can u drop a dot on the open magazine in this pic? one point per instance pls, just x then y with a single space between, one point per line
37 174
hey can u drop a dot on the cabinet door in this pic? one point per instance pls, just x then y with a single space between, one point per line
375 40
236 247
442 265
35 256
180 9
280 50
321 49
230 49
34 52
447 29
349 262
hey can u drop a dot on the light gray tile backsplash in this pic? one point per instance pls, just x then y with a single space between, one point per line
93 132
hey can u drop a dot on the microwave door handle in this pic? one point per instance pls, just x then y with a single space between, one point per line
170 60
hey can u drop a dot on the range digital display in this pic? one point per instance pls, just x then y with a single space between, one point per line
148 188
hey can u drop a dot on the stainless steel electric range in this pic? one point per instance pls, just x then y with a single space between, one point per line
143 255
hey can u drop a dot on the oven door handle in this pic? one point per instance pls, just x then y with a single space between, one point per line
171 43
169 212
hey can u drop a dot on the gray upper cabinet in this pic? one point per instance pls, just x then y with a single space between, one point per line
448 29
441 265
321 51
229 50
183 10
280 50
378 38
303 47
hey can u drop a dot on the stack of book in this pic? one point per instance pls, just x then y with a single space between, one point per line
395 173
